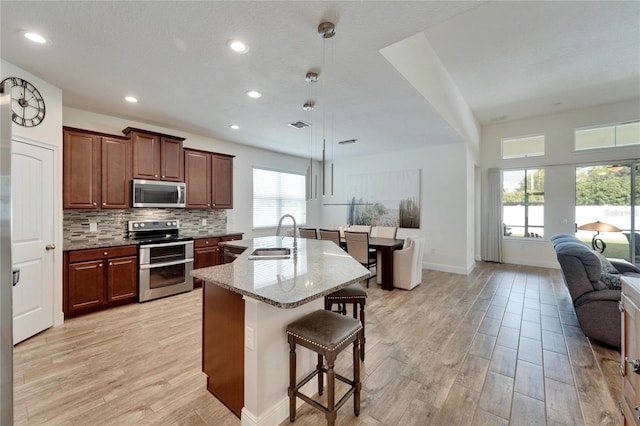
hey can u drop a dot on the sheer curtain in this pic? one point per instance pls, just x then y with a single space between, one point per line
492 229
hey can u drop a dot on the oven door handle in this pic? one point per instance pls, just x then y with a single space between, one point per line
176 243
162 265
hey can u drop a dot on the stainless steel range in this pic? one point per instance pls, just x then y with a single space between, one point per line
165 260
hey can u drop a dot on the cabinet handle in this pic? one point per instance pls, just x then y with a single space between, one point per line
163 177
637 408
155 175
104 204
100 265
635 364
621 370
110 263
106 253
208 205
620 306
95 204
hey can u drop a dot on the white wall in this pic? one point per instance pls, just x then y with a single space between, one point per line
240 218
48 133
559 162
445 193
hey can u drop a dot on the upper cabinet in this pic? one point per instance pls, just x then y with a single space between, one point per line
209 179
156 156
96 170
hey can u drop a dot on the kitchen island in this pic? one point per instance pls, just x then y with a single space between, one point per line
247 305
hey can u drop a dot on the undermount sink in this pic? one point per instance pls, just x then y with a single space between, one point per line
270 253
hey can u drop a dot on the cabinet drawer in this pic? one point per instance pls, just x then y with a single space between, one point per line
206 242
233 237
96 254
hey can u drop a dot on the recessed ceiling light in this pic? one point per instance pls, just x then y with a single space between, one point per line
131 99
37 38
234 126
254 94
238 46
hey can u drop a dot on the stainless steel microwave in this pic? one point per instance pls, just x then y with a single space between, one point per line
153 193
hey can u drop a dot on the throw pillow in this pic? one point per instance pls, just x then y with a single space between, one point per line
607 267
611 281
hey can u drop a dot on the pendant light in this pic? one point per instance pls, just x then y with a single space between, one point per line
326 30
309 105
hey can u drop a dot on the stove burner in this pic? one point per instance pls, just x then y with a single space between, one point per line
156 231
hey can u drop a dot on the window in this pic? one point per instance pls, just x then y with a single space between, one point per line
523 203
609 136
276 194
606 193
524 146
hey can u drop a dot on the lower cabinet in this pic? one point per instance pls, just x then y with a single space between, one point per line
207 252
630 351
99 278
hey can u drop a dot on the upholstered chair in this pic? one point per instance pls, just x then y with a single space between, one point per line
361 228
308 233
358 248
331 235
407 263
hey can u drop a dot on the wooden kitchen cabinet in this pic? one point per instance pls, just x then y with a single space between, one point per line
630 351
221 181
197 170
156 156
96 279
96 170
209 179
206 252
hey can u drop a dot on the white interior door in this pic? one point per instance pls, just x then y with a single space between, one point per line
32 191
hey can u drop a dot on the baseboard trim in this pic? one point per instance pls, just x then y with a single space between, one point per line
278 412
529 262
447 268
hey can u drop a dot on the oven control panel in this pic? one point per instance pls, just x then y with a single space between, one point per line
153 225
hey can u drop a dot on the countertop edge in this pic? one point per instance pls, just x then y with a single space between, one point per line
271 302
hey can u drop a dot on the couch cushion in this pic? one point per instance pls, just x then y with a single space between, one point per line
607 267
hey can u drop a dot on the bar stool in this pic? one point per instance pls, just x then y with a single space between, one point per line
326 333
355 295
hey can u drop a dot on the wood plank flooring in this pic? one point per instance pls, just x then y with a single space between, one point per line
500 346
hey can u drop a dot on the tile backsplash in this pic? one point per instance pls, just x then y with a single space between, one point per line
112 224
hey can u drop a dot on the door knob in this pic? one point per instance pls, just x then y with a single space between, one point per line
50 247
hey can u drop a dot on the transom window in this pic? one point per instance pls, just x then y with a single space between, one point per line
523 146
275 194
609 136
523 203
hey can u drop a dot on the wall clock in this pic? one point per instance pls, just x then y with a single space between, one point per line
27 104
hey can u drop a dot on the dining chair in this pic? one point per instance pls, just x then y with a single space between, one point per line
358 248
310 233
361 228
331 235
384 231
407 263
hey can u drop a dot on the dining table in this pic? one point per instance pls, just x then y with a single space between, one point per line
386 246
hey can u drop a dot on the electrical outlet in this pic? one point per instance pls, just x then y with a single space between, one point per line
248 337
204 222
93 226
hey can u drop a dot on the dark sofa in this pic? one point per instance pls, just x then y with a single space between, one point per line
594 285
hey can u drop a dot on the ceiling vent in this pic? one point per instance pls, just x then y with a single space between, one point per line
299 124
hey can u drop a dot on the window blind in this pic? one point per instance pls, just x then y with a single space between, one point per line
275 194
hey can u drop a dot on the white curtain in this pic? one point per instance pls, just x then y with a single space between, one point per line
493 228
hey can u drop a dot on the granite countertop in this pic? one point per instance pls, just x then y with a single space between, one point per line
115 242
320 268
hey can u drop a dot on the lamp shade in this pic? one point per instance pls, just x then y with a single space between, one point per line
598 227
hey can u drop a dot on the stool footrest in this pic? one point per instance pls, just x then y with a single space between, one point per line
321 407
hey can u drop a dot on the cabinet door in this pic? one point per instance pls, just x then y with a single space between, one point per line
172 165
81 165
146 156
116 173
122 278
222 181
630 351
197 170
85 285
203 257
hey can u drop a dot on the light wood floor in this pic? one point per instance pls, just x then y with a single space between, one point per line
500 346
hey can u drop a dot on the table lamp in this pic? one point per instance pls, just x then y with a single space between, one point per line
598 227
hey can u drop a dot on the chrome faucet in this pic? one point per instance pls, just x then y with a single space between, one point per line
295 231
